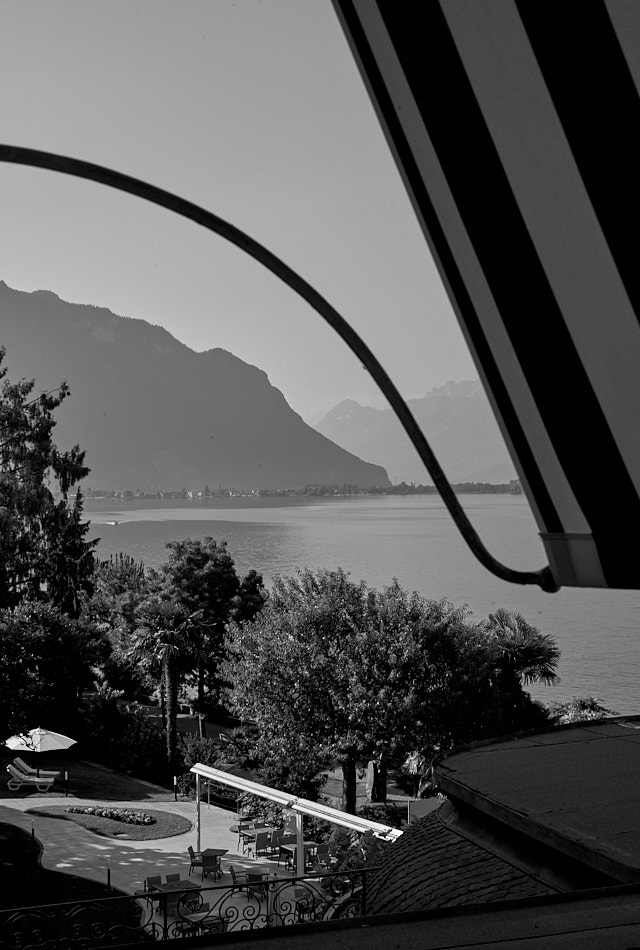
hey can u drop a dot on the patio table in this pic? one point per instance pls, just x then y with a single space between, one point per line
185 885
249 834
211 861
206 922
289 850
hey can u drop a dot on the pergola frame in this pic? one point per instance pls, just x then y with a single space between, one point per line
301 806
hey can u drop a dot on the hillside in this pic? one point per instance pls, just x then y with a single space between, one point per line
457 421
153 414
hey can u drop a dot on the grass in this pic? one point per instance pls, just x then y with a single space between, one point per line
167 824
87 780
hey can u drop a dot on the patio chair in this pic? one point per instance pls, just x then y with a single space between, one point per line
22 766
257 885
213 925
245 825
239 881
195 858
17 779
285 840
321 859
150 881
273 848
260 843
172 878
305 904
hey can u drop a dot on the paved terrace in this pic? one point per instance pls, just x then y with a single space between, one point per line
69 848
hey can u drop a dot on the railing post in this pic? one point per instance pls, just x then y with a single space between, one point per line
364 892
300 862
198 811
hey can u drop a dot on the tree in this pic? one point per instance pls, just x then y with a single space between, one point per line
524 656
45 658
204 580
120 586
336 671
44 553
319 669
167 637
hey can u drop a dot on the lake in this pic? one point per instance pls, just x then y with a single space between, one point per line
413 539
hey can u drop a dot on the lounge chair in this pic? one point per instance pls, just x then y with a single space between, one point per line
22 766
17 779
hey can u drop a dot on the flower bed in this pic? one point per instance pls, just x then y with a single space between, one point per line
127 815
102 820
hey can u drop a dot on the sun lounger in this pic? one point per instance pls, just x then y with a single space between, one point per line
22 766
17 779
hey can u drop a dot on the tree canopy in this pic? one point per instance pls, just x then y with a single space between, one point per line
333 671
46 659
203 577
44 553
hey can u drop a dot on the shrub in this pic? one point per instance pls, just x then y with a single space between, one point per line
124 737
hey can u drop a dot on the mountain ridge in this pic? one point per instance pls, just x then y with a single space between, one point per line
457 421
153 414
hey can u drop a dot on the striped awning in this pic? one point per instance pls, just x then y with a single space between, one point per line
516 127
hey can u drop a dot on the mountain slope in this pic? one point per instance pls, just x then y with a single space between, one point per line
153 414
457 421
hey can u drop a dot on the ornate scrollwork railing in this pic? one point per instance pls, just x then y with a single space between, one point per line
254 902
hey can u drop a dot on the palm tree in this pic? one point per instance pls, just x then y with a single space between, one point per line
166 636
524 655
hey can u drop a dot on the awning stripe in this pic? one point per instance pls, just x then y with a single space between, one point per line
471 324
596 99
484 239
535 325
555 205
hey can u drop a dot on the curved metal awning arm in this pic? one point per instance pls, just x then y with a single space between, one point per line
80 169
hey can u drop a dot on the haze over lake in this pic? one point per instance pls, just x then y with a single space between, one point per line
414 539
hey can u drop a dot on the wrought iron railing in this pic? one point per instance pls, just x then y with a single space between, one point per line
254 901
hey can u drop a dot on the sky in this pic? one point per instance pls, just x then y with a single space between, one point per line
253 109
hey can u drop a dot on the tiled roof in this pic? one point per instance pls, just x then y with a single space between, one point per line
432 865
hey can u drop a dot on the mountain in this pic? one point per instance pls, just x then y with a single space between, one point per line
456 420
153 414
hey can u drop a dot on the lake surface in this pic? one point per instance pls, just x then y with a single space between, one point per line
413 539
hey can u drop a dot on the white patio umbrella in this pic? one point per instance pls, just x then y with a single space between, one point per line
39 740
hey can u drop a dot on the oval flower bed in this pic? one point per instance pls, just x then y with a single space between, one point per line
129 824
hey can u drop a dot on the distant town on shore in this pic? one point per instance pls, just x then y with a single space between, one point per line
317 491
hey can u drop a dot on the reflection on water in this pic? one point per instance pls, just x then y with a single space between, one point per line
414 539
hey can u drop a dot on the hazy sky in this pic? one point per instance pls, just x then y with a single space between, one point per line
255 110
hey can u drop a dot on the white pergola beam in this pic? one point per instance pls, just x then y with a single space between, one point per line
300 805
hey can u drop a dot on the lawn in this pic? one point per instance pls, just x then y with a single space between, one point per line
88 780
166 824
